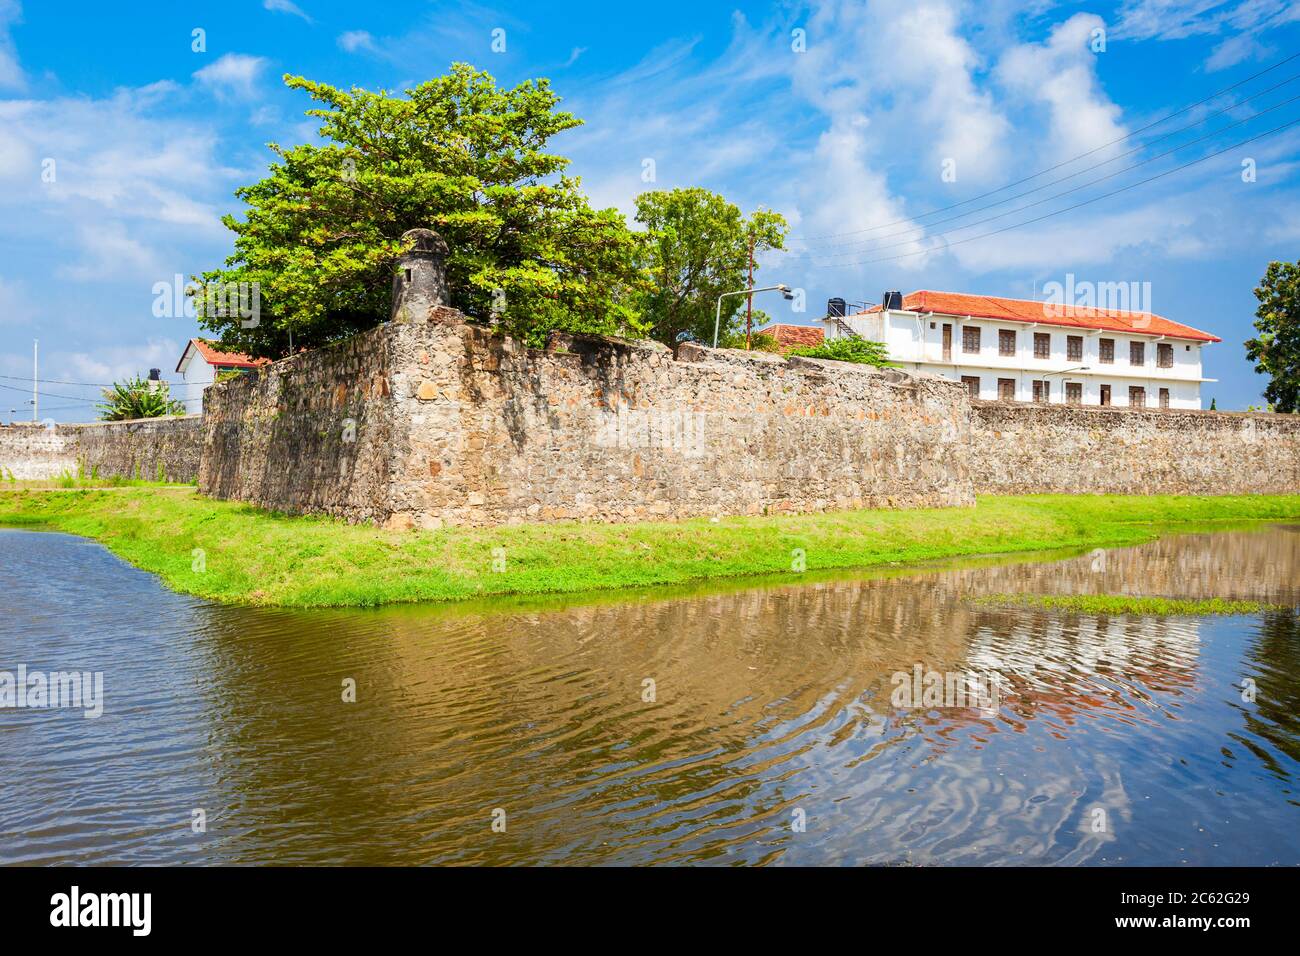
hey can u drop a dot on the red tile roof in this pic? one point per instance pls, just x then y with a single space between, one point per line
222 359
793 336
1048 313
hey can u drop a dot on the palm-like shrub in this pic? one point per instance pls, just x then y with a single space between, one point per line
133 398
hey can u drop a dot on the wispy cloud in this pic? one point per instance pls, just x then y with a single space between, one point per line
1242 23
285 6
11 73
232 74
355 40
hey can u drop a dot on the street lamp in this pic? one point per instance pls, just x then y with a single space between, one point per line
717 316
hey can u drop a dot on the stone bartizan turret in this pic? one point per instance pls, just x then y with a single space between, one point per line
421 281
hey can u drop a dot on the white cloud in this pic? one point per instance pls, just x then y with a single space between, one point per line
110 158
924 90
11 72
114 363
862 198
1179 19
108 252
1061 74
354 40
285 6
234 74
1235 50
1242 24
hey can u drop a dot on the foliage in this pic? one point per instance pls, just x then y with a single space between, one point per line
1276 350
1127 604
260 557
697 247
758 342
455 154
846 349
134 398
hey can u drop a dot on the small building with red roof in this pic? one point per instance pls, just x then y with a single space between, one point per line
789 336
202 362
1023 350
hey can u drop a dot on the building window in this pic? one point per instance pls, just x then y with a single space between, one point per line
1006 342
1042 391
1165 355
947 342
1137 396
1105 394
1074 393
1137 353
1074 348
1042 345
1105 351
972 383
1164 398
970 338
1006 389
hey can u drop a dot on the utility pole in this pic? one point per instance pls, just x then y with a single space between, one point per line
749 301
36 391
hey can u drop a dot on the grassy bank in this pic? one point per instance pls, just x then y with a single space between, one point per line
1111 604
232 552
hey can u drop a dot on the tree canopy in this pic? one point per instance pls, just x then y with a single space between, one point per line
697 247
1276 350
456 154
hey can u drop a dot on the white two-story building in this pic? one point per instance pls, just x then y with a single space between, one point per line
1025 351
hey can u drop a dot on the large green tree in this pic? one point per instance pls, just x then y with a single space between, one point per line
697 247
1276 350
456 154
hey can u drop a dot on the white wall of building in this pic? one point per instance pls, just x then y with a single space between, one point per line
915 340
198 375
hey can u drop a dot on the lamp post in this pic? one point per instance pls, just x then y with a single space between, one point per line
1067 371
717 316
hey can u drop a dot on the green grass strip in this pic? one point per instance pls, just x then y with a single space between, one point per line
1113 604
233 552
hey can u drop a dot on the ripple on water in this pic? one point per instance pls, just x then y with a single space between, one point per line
687 727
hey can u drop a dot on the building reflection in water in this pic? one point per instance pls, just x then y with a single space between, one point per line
766 700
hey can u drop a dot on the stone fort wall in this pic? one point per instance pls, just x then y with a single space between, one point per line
1022 449
424 424
158 449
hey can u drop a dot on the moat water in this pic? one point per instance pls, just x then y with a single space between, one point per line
754 724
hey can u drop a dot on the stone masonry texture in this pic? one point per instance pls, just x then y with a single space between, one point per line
164 449
1077 449
425 424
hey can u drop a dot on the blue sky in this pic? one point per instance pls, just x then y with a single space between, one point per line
849 136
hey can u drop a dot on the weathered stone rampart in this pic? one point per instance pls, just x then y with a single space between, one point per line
442 422
152 448
1083 449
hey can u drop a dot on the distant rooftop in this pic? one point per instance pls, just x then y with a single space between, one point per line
1047 313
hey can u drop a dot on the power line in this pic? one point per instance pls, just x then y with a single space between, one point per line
922 230
52 381
71 398
922 227
1086 202
991 192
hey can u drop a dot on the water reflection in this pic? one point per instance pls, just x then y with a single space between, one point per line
695 726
